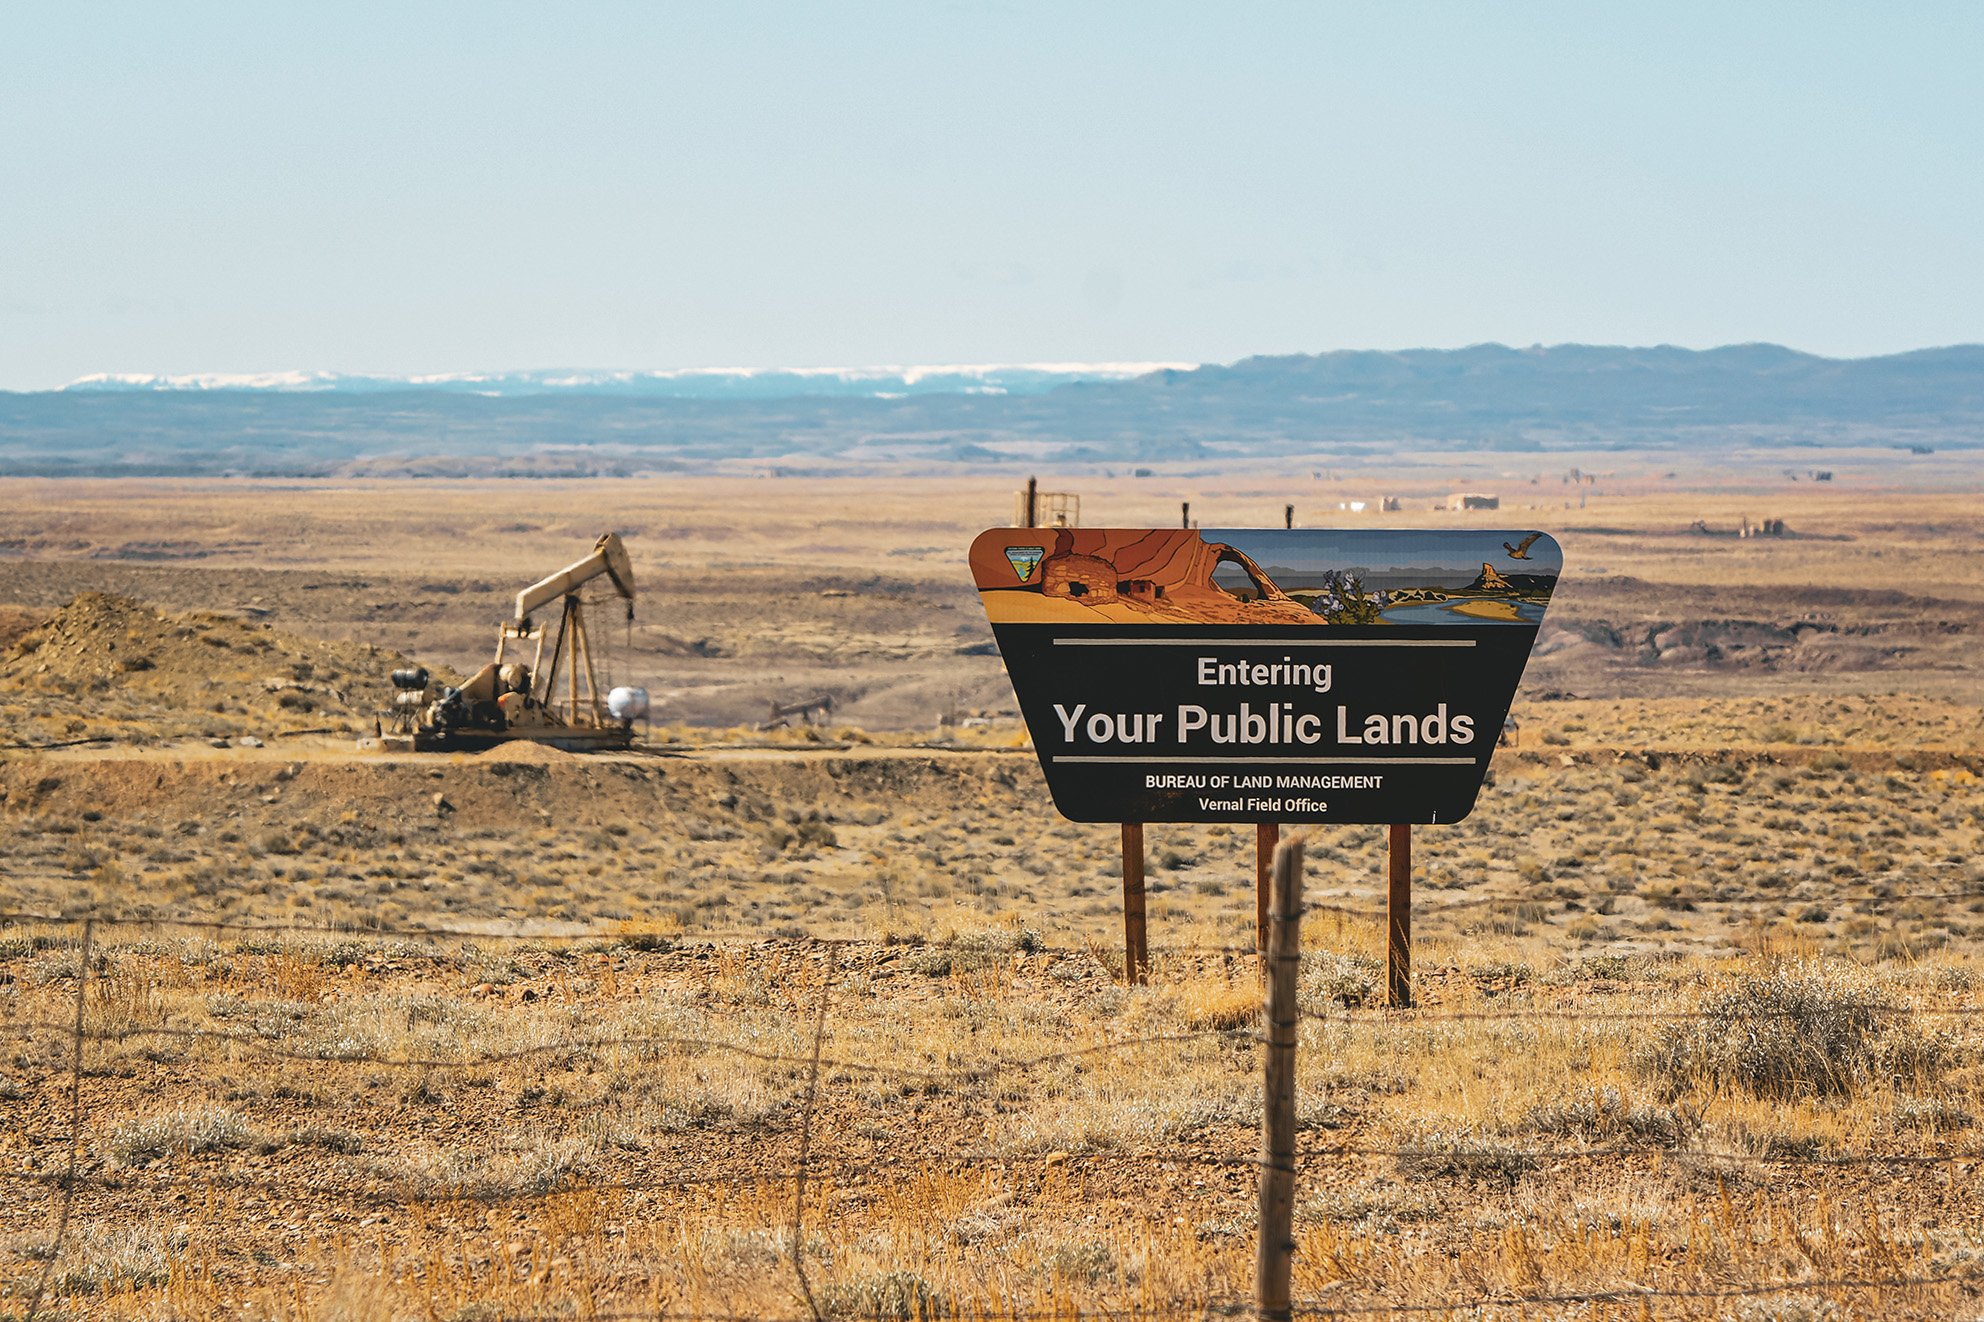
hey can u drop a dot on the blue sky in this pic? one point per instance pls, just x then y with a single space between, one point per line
431 188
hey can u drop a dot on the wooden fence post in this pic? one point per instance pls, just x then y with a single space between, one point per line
1136 950
1275 1253
1398 918
1265 836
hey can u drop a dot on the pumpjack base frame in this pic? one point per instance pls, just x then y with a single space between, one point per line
570 740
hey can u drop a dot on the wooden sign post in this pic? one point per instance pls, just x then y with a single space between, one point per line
1398 917
1136 951
1266 836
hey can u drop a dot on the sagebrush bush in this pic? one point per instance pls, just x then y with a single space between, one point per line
1443 1155
1328 980
896 1295
1216 1005
108 1260
207 1130
1778 1036
1607 1114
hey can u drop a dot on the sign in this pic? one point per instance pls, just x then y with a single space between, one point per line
1250 675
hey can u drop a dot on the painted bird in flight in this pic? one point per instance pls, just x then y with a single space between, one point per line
1521 552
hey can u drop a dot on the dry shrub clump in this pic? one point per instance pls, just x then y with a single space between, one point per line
191 1132
111 1260
896 1294
1329 979
1780 1036
973 952
1219 1005
532 1164
1607 1114
1445 1155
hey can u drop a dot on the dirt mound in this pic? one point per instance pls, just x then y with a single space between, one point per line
525 750
107 666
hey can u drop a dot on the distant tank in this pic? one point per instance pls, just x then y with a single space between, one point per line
626 704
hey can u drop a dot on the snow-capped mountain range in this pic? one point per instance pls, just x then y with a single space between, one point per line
685 383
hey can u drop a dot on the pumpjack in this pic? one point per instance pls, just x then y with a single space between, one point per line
508 699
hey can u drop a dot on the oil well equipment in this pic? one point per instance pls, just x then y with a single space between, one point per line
525 693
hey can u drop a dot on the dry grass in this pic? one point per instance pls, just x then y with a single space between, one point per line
1599 851
377 1146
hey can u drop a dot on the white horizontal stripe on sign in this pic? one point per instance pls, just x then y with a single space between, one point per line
1277 761
1263 642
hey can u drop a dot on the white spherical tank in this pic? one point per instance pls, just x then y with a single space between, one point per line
627 704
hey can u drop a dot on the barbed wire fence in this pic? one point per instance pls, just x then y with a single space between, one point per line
1313 1162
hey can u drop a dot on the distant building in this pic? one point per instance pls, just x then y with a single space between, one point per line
1354 506
1473 500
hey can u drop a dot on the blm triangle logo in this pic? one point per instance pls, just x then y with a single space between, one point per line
1024 560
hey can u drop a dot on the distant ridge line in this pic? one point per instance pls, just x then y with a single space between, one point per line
1302 410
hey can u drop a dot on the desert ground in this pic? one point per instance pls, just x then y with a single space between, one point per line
532 1034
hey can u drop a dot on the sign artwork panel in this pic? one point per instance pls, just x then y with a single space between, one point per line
1248 675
